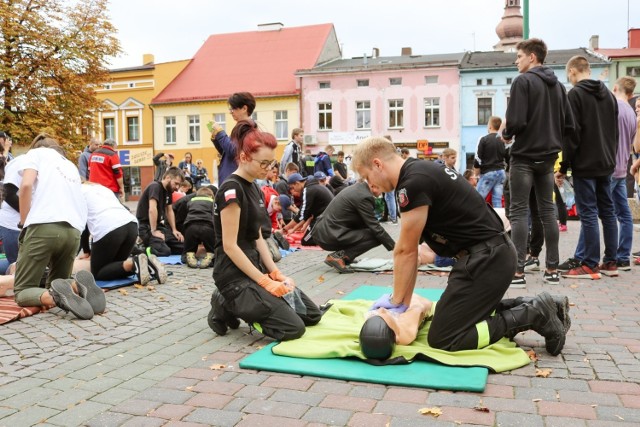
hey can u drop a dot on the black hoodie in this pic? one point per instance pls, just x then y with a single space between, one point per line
591 150
538 115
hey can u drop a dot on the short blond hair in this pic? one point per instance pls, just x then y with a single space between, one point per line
370 148
626 84
579 63
448 152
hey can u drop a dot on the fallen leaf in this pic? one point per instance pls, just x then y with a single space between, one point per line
594 405
161 298
340 292
320 279
619 417
544 373
481 408
536 400
532 355
573 286
123 291
138 286
217 367
435 411
204 358
188 388
557 395
151 288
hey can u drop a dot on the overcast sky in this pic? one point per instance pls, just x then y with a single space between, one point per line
173 30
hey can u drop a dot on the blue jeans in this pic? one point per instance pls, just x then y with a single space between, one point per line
10 243
492 181
390 199
625 219
593 200
523 176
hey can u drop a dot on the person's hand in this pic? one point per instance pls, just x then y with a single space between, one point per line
559 177
274 287
157 233
84 255
178 235
634 168
277 275
385 301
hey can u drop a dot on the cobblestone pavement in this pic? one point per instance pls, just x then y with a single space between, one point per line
151 360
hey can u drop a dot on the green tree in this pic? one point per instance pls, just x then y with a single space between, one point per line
52 55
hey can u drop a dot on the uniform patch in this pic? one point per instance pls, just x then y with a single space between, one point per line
229 195
403 200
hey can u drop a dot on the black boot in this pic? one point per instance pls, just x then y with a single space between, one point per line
540 315
562 308
219 318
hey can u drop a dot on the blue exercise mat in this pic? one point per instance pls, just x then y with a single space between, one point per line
119 283
171 259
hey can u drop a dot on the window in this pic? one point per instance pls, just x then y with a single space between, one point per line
170 130
131 85
324 85
478 82
282 125
431 80
395 81
133 129
109 128
194 129
431 112
221 119
107 86
363 115
509 80
396 113
132 182
324 116
484 110
489 82
363 82
633 71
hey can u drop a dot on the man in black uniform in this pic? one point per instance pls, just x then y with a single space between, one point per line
315 199
440 207
349 226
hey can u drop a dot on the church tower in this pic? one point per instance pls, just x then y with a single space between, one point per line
510 28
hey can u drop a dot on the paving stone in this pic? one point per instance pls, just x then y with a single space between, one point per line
351 403
330 387
68 399
628 415
589 398
208 400
171 412
217 387
108 419
166 395
410 395
159 373
101 384
257 392
35 415
269 407
78 414
630 401
614 387
507 419
281 381
136 407
466 415
114 396
369 392
329 416
398 409
566 410
295 396
425 421
29 398
144 422
209 416
564 422
137 384
252 420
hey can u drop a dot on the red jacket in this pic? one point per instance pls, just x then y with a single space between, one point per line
105 168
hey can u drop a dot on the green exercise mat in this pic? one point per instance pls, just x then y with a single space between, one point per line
335 354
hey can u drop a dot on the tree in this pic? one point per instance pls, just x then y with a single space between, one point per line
52 55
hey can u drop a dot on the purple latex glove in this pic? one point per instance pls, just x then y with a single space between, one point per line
385 302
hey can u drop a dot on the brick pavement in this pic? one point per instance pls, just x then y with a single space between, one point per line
151 360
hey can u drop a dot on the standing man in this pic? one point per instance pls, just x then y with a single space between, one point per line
162 165
454 220
449 158
489 162
293 150
83 160
340 167
538 117
590 153
323 161
157 223
105 168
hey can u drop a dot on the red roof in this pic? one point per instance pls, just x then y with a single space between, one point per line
262 62
620 53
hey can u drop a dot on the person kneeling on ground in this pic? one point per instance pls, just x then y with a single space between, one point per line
249 285
198 228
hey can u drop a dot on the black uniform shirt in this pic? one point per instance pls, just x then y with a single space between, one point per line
155 191
458 216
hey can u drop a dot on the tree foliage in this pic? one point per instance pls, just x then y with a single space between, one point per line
52 55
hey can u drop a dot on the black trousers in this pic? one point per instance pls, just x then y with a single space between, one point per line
196 233
476 286
108 253
354 242
160 247
536 234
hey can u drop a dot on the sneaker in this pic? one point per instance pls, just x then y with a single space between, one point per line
192 261
141 264
551 278
623 265
207 260
569 264
518 282
394 221
583 272
609 268
562 228
89 290
282 241
338 261
636 254
532 264
274 249
64 297
156 266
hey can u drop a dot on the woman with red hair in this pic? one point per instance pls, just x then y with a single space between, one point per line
249 285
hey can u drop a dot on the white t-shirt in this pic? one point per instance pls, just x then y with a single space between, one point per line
104 212
57 196
9 217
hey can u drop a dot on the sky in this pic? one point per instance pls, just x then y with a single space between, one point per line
175 30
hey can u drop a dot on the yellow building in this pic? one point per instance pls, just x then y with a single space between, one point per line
261 62
127 117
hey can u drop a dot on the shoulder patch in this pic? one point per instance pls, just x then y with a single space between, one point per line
403 200
229 195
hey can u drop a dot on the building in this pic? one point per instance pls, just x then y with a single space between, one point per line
409 97
624 61
261 62
127 118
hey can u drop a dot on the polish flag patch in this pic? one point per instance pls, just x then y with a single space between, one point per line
229 194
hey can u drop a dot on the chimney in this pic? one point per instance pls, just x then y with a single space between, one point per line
148 58
594 43
406 51
376 52
634 37
271 26
365 60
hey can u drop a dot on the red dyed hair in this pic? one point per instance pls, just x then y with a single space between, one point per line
248 138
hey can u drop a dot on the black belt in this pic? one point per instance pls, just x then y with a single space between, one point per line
487 244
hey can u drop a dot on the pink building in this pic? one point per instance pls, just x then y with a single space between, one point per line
409 97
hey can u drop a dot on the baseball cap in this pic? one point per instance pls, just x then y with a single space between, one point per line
285 201
295 177
320 175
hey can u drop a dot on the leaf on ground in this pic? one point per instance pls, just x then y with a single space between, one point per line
204 357
532 355
194 287
162 298
619 417
435 411
217 367
574 286
536 400
320 279
151 288
543 373
138 286
340 292
123 291
189 388
481 408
